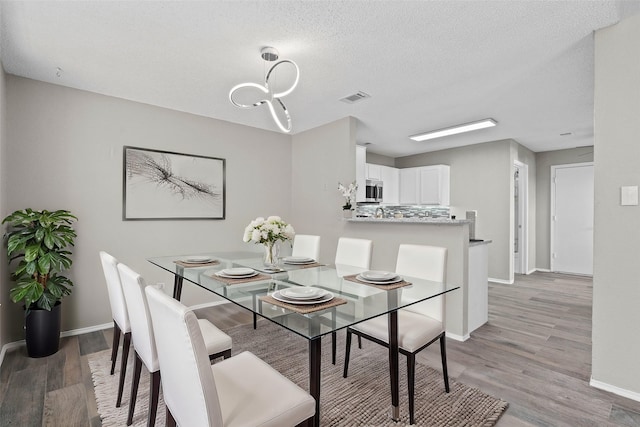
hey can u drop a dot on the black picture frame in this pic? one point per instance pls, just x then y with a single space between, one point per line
162 185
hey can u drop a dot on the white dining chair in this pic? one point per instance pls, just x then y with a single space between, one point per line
216 343
306 245
354 252
240 391
352 256
419 325
121 324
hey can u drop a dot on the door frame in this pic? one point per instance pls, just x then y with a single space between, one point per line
552 206
523 218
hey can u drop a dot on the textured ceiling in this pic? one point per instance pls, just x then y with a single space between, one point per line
426 64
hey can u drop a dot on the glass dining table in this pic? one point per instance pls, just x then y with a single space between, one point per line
345 300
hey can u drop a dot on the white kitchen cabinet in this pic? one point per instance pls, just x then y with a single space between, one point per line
391 185
425 185
409 185
434 185
361 172
374 171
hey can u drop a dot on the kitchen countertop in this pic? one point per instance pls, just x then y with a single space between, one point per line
413 220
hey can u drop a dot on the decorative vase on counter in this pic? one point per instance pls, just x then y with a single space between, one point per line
347 213
271 254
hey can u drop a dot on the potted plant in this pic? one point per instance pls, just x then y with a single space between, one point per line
349 194
38 240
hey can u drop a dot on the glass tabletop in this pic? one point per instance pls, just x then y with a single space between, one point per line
264 292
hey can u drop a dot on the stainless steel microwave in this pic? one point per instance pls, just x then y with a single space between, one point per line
373 191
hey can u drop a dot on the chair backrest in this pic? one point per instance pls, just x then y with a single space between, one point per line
114 289
188 385
354 252
306 245
141 330
424 262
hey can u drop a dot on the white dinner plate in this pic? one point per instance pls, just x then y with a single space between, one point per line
298 260
198 260
236 276
379 282
302 293
378 276
326 297
238 271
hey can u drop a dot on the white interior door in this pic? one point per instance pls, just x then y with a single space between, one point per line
572 218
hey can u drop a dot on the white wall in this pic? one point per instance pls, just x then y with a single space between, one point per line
4 292
616 284
544 161
65 152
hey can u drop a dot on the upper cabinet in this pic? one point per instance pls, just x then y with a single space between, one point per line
426 185
390 178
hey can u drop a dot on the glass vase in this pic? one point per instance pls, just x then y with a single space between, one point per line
271 254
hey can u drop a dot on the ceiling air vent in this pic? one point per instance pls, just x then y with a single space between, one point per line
358 96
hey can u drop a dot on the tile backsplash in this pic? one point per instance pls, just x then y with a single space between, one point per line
407 211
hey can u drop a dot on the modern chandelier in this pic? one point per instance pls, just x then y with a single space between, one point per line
273 99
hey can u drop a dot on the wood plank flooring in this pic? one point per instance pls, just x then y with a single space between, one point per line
535 353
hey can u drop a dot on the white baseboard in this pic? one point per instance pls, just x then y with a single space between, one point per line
541 270
504 282
72 332
633 395
457 337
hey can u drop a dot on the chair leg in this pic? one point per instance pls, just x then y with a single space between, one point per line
114 346
224 354
443 354
255 321
347 351
134 389
171 422
411 386
333 347
154 393
126 344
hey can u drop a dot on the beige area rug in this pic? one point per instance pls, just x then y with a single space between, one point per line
362 399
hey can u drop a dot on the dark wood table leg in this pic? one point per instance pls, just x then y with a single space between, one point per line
393 365
177 287
315 359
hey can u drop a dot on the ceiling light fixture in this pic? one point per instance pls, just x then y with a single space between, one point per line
467 127
269 54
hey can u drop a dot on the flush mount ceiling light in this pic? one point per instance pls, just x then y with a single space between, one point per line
272 99
467 127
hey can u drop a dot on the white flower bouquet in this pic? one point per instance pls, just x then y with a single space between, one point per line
349 194
268 231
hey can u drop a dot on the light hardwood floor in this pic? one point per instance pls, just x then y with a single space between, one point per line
535 353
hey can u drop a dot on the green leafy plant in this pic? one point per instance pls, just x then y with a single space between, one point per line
39 240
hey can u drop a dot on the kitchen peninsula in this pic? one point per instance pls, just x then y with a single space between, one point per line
467 261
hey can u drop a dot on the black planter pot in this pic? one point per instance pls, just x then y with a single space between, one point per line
43 331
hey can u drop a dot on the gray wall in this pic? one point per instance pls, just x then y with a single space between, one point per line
476 172
379 159
75 140
321 158
4 292
544 161
616 270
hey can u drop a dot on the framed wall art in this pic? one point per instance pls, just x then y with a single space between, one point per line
164 185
